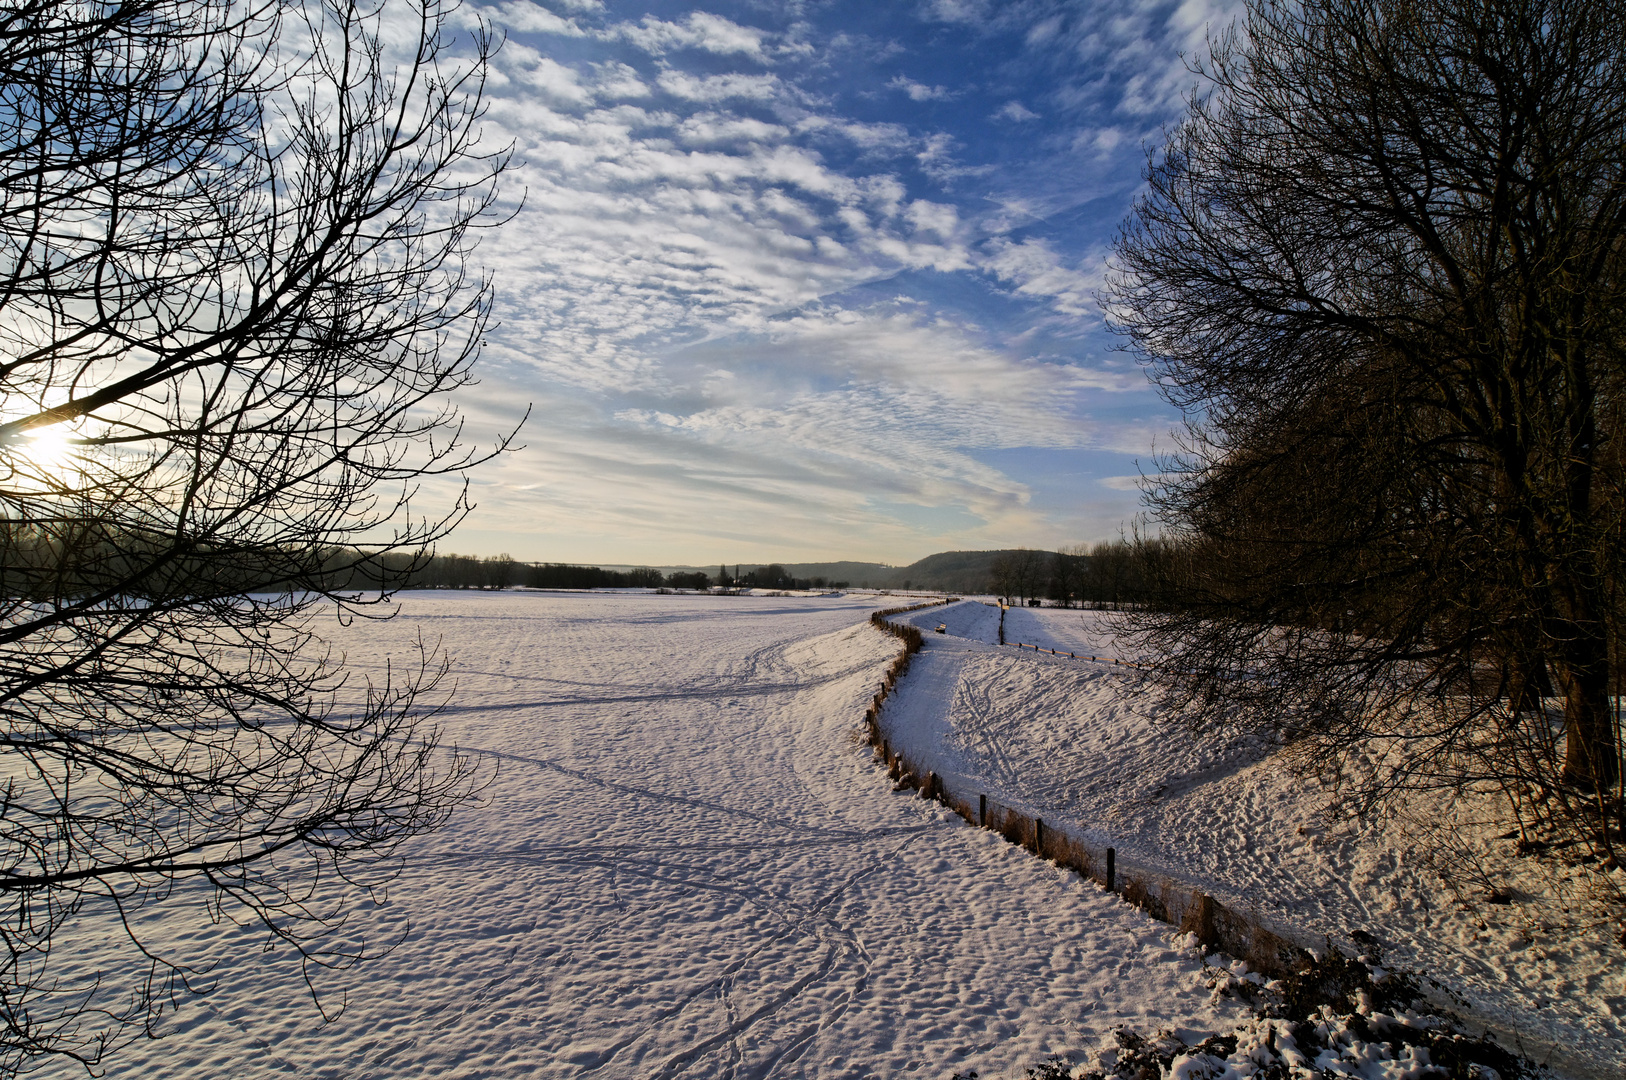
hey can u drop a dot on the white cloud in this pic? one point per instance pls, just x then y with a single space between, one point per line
666 298
716 34
920 91
877 401
1044 30
1037 271
615 81
644 227
937 160
1099 141
1133 59
1015 110
960 11
938 218
531 18
944 258
716 88
712 129
868 136
701 30
556 82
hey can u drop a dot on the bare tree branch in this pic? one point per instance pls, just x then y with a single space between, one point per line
236 290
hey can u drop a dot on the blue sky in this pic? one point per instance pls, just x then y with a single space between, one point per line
807 281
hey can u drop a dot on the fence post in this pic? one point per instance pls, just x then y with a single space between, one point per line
1112 869
1038 836
1199 919
982 810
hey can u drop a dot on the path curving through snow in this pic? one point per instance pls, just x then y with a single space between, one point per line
686 866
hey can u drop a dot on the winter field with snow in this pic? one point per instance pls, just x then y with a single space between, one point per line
686 864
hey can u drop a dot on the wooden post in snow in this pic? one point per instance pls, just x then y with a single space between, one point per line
1112 869
982 810
1199 919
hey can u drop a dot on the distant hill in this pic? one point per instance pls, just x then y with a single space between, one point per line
949 571
853 573
952 571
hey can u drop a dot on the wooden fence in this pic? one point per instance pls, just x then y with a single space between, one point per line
1270 950
1078 656
1161 896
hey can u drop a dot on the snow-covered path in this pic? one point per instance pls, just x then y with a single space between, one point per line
686 866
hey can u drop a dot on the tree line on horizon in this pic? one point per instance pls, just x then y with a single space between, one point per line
1112 575
451 571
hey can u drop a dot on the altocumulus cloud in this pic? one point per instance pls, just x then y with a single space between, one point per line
816 281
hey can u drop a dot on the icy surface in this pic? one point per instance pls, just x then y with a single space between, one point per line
686 866
1081 745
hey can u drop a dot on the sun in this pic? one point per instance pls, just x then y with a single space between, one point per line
47 448
42 457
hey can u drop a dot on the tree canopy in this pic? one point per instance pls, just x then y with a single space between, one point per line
1381 267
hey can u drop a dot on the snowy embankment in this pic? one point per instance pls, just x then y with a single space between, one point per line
1082 746
685 865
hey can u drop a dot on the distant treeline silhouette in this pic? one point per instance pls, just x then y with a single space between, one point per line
502 571
1116 575
451 571
87 559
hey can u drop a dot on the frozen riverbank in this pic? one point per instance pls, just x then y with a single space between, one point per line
686 867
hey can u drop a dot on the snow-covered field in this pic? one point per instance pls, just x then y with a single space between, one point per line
1066 740
685 866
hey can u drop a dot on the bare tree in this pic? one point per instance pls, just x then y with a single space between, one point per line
1107 572
1029 570
1067 570
234 294
1380 266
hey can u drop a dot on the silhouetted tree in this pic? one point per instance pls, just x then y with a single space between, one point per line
772 576
234 296
498 571
1380 266
1067 570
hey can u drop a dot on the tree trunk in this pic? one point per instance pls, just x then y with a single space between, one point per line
1528 683
1591 757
